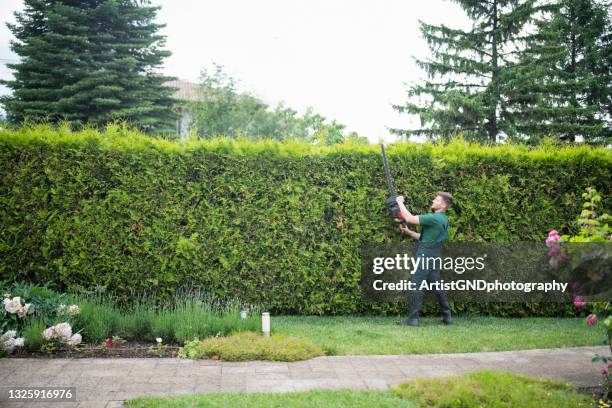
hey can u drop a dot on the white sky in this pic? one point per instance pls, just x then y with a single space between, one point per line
348 59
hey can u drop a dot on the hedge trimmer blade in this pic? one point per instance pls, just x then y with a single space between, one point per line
388 176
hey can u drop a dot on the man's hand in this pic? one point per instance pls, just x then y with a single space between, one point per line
409 218
408 231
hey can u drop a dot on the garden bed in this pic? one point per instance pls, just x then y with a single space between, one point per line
127 350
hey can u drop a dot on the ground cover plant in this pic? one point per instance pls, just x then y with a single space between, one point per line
252 346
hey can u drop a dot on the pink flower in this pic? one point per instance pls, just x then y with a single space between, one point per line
604 371
553 238
109 342
592 319
48 333
579 302
554 250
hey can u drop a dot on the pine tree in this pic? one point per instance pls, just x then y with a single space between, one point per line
463 92
563 81
90 61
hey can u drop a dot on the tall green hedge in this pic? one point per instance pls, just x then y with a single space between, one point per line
277 224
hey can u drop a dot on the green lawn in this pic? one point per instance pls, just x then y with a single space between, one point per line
480 389
380 335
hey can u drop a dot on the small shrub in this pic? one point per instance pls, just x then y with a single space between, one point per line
251 346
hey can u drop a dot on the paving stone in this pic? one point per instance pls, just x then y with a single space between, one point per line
309 384
207 387
146 387
308 374
376 384
265 376
233 370
182 388
92 404
270 386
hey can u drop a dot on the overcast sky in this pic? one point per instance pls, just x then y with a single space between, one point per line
348 59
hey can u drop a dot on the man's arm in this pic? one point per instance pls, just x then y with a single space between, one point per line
409 218
410 232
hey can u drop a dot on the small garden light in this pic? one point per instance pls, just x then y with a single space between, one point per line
265 323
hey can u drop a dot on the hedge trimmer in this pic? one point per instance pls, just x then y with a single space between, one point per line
391 202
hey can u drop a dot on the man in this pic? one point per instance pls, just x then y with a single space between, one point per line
433 233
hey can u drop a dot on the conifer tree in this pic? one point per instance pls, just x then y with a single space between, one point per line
466 72
563 81
89 61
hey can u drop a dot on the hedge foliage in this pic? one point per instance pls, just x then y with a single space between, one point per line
275 224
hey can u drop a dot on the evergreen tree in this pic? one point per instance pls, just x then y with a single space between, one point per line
90 61
463 92
563 81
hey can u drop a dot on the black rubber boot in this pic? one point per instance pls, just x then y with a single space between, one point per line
446 310
416 303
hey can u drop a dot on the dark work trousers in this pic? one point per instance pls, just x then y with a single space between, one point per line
431 275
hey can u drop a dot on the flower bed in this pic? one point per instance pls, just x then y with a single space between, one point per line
36 321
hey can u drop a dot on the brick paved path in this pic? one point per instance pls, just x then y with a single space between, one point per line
102 382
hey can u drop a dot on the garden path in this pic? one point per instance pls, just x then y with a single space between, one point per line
105 382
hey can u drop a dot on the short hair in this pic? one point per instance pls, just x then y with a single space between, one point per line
447 197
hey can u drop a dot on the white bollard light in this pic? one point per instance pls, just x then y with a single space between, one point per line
265 323
243 314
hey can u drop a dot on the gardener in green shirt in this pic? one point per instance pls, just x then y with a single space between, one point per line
433 233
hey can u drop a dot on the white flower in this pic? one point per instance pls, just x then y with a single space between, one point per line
74 340
48 333
23 311
73 309
63 330
158 339
8 342
8 345
12 305
60 308
8 335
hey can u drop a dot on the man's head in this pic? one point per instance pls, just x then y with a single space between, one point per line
442 201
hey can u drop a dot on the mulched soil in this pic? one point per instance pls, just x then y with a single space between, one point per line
126 350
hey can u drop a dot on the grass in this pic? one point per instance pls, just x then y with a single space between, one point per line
492 389
308 399
479 389
344 335
252 346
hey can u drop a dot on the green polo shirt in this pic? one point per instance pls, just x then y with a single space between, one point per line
433 225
